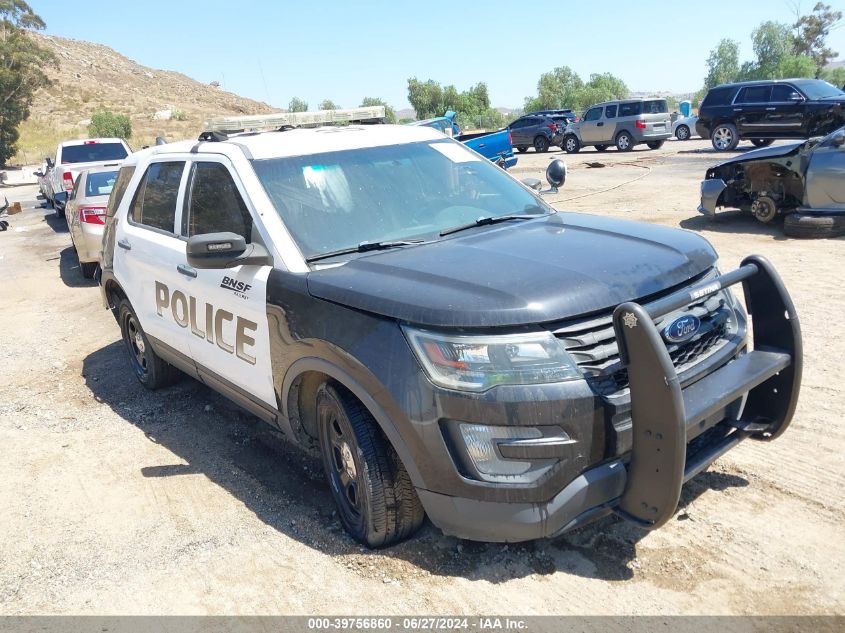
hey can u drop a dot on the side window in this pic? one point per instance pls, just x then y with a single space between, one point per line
155 201
519 123
593 114
119 189
610 112
718 96
754 94
214 205
783 93
631 109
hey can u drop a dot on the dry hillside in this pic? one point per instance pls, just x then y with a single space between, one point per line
90 77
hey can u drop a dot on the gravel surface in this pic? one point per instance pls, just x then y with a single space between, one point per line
121 501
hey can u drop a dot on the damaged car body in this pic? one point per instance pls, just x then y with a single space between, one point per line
804 178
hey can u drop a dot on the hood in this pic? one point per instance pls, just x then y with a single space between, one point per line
561 266
777 151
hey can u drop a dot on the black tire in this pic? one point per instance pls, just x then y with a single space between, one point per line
522 149
682 133
601 148
151 371
571 144
655 145
624 142
762 142
376 500
814 226
88 269
541 144
724 137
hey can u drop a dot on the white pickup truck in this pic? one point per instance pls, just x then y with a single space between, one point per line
74 157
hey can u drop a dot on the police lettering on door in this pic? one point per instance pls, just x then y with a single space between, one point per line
207 322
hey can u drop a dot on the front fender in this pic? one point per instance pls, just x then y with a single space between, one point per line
711 191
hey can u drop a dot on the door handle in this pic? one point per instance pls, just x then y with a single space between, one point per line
770 109
482 145
187 270
737 109
125 245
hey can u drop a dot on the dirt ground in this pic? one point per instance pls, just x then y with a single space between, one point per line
116 500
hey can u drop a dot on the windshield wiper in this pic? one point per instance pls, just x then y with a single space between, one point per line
364 247
489 219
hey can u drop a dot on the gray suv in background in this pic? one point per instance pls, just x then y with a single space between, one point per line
624 123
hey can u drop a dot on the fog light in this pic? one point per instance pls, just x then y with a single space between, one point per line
480 443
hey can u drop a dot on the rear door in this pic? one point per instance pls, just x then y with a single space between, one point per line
149 252
655 116
785 112
750 109
228 329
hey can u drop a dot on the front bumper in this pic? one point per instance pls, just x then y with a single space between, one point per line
711 191
677 432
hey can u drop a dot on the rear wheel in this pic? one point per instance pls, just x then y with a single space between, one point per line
150 370
724 137
522 149
814 226
682 133
541 144
655 145
601 148
624 142
376 500
571 144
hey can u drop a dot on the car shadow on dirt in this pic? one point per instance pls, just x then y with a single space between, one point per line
734 222
69 270
286 489
59 225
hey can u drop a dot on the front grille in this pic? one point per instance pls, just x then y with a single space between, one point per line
592 343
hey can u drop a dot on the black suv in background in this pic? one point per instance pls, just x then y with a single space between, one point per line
539 131
762 111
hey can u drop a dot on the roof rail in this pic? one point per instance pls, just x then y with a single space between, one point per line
286 120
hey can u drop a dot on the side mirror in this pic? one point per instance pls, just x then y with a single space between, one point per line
49 161
225 250
38 173
838 139
556 174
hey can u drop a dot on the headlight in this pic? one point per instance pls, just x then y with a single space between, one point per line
479 362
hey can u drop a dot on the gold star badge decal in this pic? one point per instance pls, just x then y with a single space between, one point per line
630 320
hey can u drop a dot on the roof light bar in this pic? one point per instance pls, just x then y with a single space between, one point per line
256 122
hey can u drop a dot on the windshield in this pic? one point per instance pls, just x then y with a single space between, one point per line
338 200
93 152
819 89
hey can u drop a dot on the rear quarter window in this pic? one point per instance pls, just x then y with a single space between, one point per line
718 97
119 189
631 109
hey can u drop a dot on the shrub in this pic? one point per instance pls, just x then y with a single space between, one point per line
106 123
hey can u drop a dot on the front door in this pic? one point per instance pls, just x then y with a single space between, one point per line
592 126
228 331
785 112
825 182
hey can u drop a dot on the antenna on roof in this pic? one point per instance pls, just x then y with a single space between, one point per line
288 120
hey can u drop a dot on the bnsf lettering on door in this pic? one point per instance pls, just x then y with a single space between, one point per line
207 322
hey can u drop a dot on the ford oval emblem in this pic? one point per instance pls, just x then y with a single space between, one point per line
681 329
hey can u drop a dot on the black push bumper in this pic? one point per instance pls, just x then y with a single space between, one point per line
677 432
663 415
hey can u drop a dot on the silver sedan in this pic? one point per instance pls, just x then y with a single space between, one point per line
85 215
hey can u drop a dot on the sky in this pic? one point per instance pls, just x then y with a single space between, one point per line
273 50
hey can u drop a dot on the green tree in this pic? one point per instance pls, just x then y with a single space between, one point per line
772 44
426 98
389 113
472 106
21 60
836 76
563 88
796 66
811 33
722 64
109 124
297 105
328 104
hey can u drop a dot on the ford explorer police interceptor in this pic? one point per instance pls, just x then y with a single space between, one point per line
450 344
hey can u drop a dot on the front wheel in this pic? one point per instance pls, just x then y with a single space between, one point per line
150 370
375 498
624 142
724 137
655 145
762 142
571 144
541 144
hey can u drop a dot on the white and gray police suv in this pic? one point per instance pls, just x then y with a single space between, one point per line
450 344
